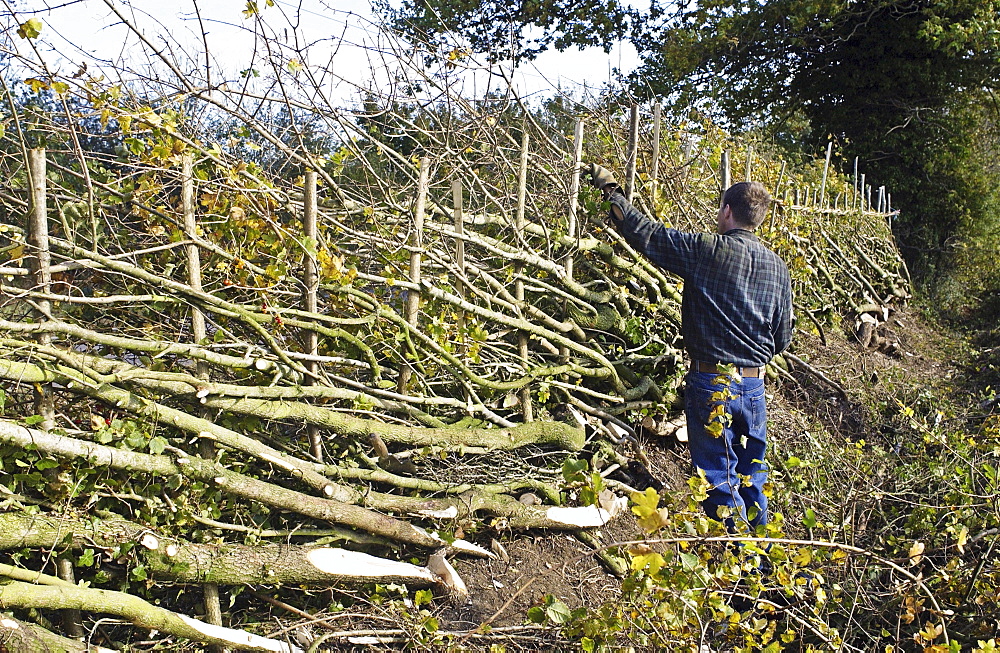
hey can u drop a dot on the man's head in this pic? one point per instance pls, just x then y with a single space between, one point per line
744 205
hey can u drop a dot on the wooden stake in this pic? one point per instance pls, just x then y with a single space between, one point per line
206 449
855 202
826 169
573 228
777 189
749 166
633 151
657 111
687 163
574 190
71 618
310 280
457 200
41 261
522 338
416 245
724 182
198 330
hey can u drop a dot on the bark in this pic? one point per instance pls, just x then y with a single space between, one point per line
227 481
565 436
124 400
20 595
21 637
223 563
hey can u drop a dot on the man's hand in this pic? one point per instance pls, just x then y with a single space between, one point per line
600 178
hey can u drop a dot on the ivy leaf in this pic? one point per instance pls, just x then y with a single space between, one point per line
86 558
30 29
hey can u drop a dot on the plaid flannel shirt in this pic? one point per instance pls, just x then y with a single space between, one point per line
737 305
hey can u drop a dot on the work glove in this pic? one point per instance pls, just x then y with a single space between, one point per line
600 178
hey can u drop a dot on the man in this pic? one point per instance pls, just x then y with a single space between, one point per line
736 315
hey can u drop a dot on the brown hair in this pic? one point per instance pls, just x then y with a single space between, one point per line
749 201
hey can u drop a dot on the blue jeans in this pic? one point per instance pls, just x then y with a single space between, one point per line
733 462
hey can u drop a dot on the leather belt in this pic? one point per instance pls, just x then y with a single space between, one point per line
711 368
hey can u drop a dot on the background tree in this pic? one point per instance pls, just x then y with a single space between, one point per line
903 86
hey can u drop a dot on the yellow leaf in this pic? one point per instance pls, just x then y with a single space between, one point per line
17 253
963 539
645 502
915 552
802 557
651 562
36 84
654 521
640 549
30 29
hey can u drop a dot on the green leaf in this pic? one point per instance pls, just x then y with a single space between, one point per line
422 597
30 29
536 615
86 558
809 521
690 561
557 611
573 468
31 420
157 445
